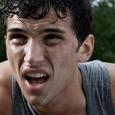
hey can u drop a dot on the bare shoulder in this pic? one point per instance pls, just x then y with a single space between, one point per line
111 68
5 88
5 74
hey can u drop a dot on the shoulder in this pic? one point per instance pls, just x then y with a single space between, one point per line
5 74
5 88
111 69
95 72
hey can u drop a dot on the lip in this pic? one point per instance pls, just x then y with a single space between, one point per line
34 87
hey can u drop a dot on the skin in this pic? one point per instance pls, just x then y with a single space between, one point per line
112 77
5 89
32 53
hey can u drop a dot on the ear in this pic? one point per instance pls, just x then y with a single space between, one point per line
86 48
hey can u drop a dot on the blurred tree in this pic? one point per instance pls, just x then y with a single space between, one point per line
104 31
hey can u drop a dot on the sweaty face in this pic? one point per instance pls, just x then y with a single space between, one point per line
42 55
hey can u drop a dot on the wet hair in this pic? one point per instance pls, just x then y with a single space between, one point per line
79 10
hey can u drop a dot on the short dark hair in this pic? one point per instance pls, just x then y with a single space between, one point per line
79 10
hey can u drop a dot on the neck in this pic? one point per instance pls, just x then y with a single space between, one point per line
70 102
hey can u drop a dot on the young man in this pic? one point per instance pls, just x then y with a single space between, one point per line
45 42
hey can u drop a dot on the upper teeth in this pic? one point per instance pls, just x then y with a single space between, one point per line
37 75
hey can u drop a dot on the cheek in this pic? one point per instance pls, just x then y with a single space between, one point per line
12 53
14 56
11 57
64 58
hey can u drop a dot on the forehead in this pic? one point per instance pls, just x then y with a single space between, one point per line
49 20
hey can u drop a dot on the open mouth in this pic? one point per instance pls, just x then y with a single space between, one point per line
37 78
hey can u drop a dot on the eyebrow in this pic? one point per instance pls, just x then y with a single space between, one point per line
15 30
55 30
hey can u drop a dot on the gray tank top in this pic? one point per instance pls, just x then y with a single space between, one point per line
96 87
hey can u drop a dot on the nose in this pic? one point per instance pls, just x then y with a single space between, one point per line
34 52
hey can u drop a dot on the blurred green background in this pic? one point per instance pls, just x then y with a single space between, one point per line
103 30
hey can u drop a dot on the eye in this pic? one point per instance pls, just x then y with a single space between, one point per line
53 39
18 39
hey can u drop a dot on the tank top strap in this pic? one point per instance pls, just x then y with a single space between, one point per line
97 88
20 105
